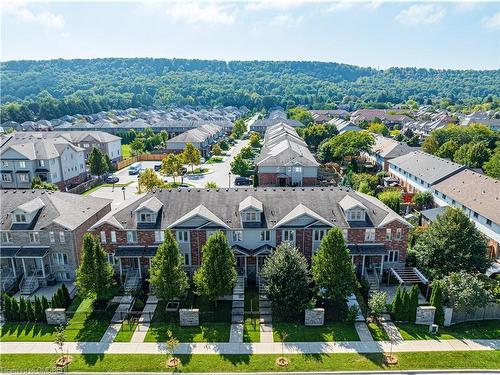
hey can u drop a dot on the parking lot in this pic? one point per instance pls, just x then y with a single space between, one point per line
218 173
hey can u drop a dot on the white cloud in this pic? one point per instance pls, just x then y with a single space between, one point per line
421 14
492 22
339 6
46 19
465 6
287 20
198 12
258 5
372 5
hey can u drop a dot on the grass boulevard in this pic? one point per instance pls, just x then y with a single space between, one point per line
256 362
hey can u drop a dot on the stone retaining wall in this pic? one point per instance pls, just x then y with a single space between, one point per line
314 317
56 317
189 317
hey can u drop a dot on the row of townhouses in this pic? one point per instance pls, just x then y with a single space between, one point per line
384 149
454 185
41 235
255 221
285 159
202 138
275 117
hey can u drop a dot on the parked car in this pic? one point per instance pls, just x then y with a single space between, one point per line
183 171
239 181
135 168
157 167
112 179
202 160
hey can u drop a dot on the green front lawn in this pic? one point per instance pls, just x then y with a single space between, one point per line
91 190
251 299
126 332
85 324
328 332
378 332
257 362
206 332
251 331
487 329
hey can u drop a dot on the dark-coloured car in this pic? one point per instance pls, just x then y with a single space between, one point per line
112 179
240 181
157 167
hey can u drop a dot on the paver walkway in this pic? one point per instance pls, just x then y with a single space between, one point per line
363 331
125 302
255 348
145 320
237 312
390 328
266 318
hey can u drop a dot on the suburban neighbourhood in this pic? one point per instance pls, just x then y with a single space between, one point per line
250 216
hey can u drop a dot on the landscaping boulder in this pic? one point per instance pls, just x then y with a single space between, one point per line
314 317
56 317
425 315
189 317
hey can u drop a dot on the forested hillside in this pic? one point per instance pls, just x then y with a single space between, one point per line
50 89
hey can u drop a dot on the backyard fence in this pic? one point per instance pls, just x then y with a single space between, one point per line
144 157
85 185
490 312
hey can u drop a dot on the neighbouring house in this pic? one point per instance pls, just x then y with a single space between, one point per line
285 160
417 171
202 138
386 149
41 235
274 118
489 118
343 125
389 117
54 160
321 116
479 196
108 144
255 221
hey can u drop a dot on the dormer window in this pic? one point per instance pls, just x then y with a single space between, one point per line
355 215
250 216
146 217
20 218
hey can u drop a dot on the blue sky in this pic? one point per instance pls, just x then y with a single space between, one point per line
378 34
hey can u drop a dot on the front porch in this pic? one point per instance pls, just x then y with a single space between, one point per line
132 263
249 262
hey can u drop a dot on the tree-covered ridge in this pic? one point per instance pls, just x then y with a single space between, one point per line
53 88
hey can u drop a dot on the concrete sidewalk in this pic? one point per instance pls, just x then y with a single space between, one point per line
255 348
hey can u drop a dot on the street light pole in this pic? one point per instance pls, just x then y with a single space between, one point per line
229 180
123 191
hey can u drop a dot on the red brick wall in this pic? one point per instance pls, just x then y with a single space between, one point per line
309 181
304 242
278 237
268 179
198 239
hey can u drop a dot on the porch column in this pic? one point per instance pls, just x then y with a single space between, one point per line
352 259
245 266
43 268
139 266
24 267
13 267
257 268
120 261
381 265
363 266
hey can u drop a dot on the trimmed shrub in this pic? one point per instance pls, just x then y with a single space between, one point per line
45 306
14 310
7 307
413 304
436 300
406 305
39 313
22 309
67 298
30 312
56 302
397 305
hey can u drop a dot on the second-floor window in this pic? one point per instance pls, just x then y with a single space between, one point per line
288 235
355 215
62 237
318 234
131 236
146 217
103 236
22 164
20 218
265 235
52 238
237 235
34 237
250 216
159 235
370 234
113 236
6 237
388 234
345 234
61 259
182 236
398 234
6 177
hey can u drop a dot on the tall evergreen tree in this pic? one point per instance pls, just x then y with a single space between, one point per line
65 292
397 304
39 313
22 309
103 270
167 275
332 269
15 316
436 300
30 311
413 303
97 162
217 274
7 306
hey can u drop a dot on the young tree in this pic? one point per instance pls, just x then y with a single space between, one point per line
239 166
376 304
239 128
332 269
413 303
436 300
167 275
217 275
287 280
94 277
216 150
149 180
422 199
171 165
246 152
451 243
37 183
315 134
405 310
109 163
345 146
392 199
97 163
60 338
191 155
171 344
255 140
465 292
224 145
137 146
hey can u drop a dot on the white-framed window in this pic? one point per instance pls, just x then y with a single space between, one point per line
5 163
23 177
52 238
111 258
34 237
345 233
251 216
6 237
237 235
159 236
297 169
146 217
355 215
388 234
399 233
391 256
63 276
22 164
131 236
20 218
187 260
318 234
62 237
60 259
265 235
6 177
41 163
182 236
288 235
113 236
370 234
103 236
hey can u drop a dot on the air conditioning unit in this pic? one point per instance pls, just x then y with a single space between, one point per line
433 329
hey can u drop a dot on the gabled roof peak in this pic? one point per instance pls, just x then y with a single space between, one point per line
251 202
